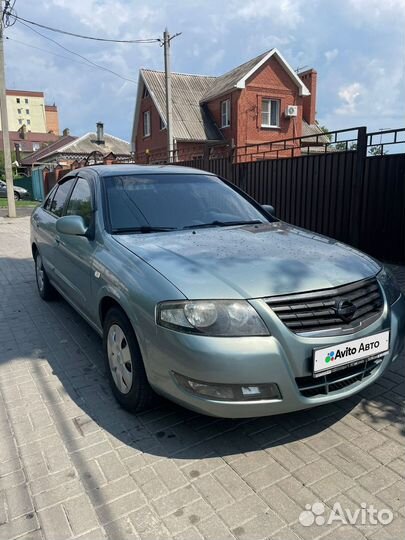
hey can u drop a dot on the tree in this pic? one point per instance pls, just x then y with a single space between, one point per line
342 146
2 171
326 131
377 150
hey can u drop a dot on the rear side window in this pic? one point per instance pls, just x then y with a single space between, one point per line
59 199
80 203
48 200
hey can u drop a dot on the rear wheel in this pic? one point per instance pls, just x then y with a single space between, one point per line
45 289
16 196
124 364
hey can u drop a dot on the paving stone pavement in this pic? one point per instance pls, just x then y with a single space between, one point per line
75 465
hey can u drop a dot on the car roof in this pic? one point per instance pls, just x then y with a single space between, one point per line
126 169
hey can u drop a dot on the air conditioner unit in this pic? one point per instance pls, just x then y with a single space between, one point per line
291 111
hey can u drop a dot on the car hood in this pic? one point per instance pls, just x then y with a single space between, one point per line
249 261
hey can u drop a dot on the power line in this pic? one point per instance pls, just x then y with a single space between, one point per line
58 30
79 55
52 52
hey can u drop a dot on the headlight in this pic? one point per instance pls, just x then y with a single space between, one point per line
212 318
390 286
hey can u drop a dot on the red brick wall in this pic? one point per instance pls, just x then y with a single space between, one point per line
230 133
157 142
270 81
309 78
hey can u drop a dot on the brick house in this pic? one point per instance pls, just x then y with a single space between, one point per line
261 101
69 151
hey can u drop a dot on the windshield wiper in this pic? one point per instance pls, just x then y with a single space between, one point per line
142 230
223 224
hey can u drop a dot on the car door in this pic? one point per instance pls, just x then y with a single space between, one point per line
44 226
75 253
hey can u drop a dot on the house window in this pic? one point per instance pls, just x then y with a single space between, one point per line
145 92
19 111
146 124
270 113
26 100
36 146
27 111
28 121
226 113
18 100
162 124
20 121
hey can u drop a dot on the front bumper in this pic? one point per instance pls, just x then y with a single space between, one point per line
280 359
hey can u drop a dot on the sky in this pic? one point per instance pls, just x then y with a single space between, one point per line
356 46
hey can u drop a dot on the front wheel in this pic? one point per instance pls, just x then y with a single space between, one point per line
45 289
16 196
124 364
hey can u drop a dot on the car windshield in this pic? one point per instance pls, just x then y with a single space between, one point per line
162 202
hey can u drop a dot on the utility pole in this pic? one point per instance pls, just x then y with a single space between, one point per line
4 124
168 84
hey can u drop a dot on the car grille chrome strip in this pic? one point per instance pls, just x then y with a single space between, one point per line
317 311
335 381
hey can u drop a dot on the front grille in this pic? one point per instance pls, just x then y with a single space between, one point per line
316 311
315 386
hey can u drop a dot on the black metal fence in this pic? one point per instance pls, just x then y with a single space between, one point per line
353 190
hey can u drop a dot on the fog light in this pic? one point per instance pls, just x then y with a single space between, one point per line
229 392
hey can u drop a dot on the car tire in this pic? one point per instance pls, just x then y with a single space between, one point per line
16 196
124 364
45 289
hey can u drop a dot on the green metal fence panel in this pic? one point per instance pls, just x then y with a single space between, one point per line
37 185
25 183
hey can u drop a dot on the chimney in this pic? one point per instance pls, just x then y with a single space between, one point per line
66 132
309 78
100 133
17 148
23 132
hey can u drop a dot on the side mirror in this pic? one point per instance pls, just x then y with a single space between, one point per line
269 209
73 225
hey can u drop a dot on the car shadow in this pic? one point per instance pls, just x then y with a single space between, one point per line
65 360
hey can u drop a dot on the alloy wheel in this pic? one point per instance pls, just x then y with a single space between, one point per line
119 358
39 271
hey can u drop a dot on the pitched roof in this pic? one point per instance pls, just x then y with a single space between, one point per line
237 77
86 144
190 121
319 136
191 118
79 145
48 150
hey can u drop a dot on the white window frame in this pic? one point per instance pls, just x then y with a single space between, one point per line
162 124
225 113
146 124
266 109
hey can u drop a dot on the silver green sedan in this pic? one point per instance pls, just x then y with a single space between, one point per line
205 297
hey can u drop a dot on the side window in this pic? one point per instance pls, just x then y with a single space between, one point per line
59 199
48 200
80 203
